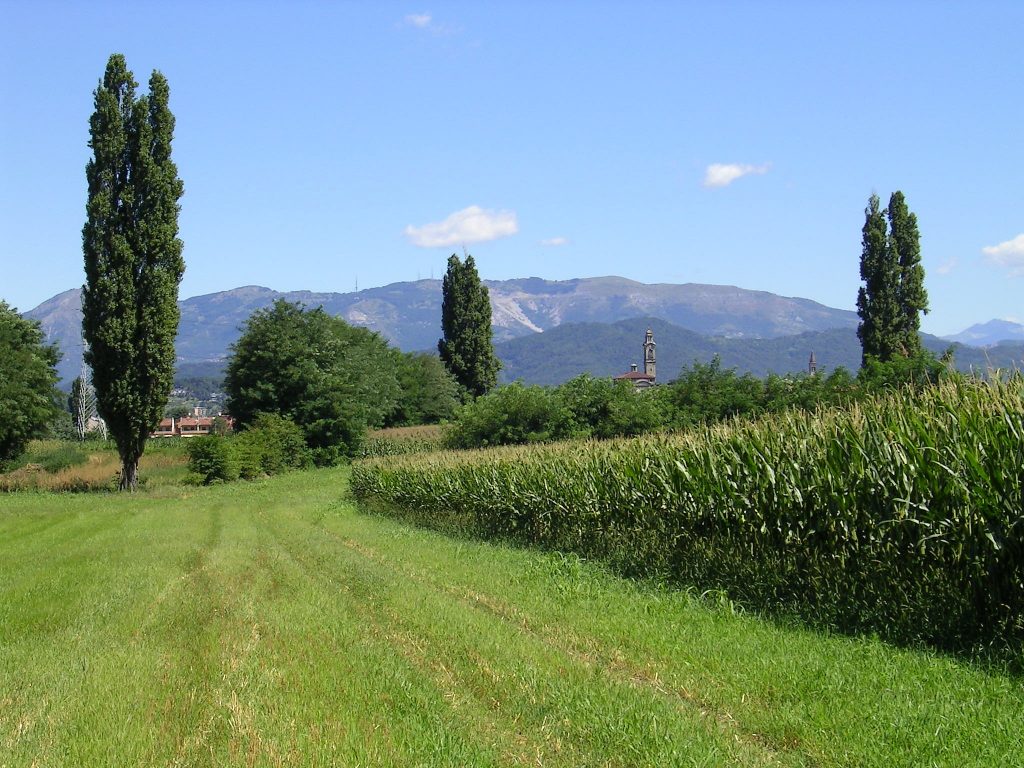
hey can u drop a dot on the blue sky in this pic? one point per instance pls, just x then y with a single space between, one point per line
323 144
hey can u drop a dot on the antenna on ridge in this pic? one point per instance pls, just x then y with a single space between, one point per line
357 283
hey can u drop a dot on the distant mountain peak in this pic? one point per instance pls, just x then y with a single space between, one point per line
990 333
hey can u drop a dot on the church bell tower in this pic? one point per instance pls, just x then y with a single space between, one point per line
649 353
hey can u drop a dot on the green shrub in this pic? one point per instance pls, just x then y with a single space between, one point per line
918 371
707 393
511 414
213 459
604 408
273 444
51 456
62 456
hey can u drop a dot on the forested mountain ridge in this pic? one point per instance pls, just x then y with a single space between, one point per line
753 330
408 314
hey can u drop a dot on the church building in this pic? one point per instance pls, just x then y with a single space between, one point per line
646 378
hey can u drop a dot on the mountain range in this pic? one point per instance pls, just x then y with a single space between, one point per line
525 313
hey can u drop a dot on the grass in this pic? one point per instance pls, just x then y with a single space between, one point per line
270 623
50 455
57 465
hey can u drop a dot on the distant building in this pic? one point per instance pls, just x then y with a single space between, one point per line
166 428
645 379
189 426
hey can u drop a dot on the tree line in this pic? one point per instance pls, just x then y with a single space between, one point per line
702 394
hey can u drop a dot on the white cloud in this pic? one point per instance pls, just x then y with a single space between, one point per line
1009 254
724 174
947 266
470 225
427 23
420 20
555 241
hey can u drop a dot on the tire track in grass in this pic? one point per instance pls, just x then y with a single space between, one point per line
240 587
572 664
514 745
611 662
562 686
510 748
384 738
462 704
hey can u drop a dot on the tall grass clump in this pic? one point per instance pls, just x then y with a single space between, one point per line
901 515
73 466
50 456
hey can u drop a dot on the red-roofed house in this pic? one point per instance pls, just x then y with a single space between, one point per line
192 426
189 426
166 428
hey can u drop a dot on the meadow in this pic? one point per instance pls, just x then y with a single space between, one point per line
273 623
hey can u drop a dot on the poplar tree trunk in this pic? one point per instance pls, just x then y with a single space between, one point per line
129 475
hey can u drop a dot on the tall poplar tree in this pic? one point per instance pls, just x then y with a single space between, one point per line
133 261
893 296
466 348
878 299
911 295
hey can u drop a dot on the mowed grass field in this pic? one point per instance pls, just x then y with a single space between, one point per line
271 623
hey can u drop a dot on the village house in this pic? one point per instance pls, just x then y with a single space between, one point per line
166 428
196 425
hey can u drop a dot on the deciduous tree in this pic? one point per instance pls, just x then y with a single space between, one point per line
28 379
330 378
429 393
133 258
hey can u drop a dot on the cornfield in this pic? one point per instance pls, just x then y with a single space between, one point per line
902 515
396 441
